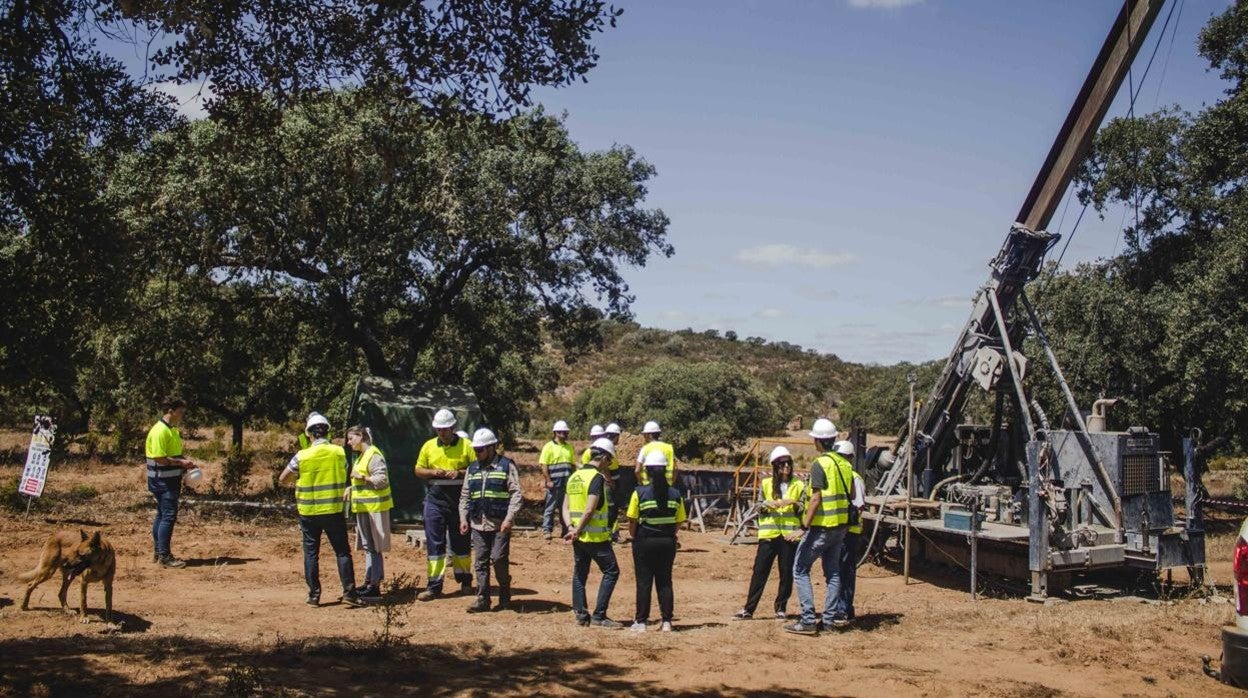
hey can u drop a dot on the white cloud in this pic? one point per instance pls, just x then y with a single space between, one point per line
789 255
883 4
188 99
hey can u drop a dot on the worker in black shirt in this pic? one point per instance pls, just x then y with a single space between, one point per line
654 512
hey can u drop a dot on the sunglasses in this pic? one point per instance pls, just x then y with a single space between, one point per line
784 462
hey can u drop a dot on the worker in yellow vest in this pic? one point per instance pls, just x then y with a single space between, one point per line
371 504
654 512
557 461
652 434
165 468
442 464
851 551
585 512
824 523
779 529
319 473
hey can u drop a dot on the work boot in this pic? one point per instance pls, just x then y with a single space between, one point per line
481 604
172 562
840 622
368 591
314 599
465 588
351 598
504 598
428 595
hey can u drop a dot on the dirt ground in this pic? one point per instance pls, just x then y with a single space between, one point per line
234 623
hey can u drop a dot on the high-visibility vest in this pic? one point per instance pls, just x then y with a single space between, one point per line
163 440
773 524
558 459
666 448
366 499
487 490
650 512
598 529
322 479
834 501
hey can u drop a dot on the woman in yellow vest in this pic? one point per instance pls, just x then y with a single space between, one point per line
654 512
371 504
779 529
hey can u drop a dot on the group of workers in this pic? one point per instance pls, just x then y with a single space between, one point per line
473 495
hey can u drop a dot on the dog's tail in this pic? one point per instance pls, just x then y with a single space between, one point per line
27 576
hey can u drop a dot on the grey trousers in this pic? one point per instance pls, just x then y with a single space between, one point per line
491 547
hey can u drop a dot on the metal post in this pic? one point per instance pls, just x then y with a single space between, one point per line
911 378
974 544
1037 526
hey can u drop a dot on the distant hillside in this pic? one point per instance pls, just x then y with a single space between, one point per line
807 383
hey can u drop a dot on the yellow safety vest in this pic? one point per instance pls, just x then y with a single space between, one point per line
834 501
598 530
558 459
666 448
163 440
322 479
773 524
366 499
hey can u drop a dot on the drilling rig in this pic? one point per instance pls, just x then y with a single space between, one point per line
1064 500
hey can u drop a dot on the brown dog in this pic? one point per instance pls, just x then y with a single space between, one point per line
89 556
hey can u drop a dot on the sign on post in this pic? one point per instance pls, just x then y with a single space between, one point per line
35 474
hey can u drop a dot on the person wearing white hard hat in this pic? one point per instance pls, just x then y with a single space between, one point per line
165 469
779 529
612 473
654 512
652 432
585 512
488 505
850 551
319 474
557 460
620 490
442 464
825 523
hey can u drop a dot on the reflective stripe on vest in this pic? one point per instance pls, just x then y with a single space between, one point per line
773 524
649 511
156 470
834 501
598 529
322 479
487 490
366 499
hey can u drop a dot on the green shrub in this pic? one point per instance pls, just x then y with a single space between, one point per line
235 469
702 406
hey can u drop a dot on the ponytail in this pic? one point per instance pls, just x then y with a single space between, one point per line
658 480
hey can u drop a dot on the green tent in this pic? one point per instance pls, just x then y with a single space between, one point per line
400 414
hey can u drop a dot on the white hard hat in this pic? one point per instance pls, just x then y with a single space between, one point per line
845 448
779 452
823 429
613 428
604 445
655 457
314 419
443 419
560 426
462 434
652 427
596 431
483 437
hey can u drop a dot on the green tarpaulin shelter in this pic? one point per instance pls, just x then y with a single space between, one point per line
400 414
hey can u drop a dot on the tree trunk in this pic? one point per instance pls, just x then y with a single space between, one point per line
236 441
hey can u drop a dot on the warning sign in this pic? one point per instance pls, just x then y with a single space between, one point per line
35 474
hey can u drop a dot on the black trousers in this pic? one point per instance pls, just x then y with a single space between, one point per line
773 550
652 562
335 529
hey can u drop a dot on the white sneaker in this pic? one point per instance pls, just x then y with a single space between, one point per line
666 627
638 627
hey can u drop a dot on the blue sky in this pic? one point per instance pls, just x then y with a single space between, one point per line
838 173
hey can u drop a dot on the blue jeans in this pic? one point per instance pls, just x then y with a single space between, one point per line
823 544
604 556
166 490
844 605
553 510
334 526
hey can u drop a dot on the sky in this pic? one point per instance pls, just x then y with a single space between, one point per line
838 173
